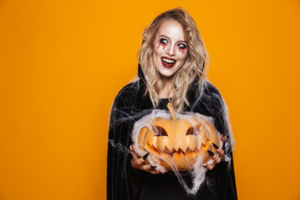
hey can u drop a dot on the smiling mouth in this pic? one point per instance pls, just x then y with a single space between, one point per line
168 62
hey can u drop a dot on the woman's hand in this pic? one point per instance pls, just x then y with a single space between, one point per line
216 157
141 163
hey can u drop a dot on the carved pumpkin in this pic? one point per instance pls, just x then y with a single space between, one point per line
178 142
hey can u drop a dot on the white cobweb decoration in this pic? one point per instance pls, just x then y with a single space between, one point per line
198 172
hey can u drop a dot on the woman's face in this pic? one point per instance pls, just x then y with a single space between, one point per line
170 48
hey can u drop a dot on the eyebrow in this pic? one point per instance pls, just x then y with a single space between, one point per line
169 38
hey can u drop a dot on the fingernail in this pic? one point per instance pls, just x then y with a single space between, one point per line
210 153
216 146
153 167
223 135
145 156
204 164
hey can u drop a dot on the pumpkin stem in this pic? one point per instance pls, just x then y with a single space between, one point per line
170 107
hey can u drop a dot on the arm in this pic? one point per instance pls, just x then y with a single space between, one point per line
225 169
119 184
212 104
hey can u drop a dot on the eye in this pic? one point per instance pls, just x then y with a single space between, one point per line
163 41
193 130
160 131
181 46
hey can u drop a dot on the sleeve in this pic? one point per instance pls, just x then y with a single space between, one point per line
223 173
119 169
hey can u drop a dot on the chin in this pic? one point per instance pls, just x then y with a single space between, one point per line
166 74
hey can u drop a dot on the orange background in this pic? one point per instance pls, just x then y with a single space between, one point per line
63 62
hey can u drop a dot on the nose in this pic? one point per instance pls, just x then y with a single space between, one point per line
171 50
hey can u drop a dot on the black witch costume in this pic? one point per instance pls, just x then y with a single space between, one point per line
127 183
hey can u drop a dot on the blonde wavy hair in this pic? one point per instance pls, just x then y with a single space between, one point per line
190 70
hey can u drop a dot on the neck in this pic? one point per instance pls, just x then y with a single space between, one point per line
166 92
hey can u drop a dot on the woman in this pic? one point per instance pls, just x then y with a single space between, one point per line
171 66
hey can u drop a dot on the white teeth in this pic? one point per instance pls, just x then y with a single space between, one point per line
168 61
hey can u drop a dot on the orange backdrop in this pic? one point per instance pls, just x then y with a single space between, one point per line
63 62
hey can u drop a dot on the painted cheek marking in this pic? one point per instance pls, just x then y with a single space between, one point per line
181 50
159 44
163 45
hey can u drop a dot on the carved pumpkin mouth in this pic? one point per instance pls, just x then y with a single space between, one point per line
176 153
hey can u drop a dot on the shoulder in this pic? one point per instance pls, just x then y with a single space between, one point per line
127 94
207 100
209 88
210 93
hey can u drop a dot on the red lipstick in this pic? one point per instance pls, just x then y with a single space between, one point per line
168 64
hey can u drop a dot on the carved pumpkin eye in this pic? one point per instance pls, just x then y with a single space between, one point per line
193 130
160 131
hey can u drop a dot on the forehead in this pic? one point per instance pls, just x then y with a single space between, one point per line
171 29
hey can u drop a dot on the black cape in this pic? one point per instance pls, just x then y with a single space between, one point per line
130 105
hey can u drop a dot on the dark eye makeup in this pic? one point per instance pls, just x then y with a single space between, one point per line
182 46
163 41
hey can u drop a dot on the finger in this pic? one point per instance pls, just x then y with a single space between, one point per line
209 167
154 172
215 146
146 167
223 137
150 169
219 150
135 156
146 155
132 149
211 153
133 163
142 159
216 158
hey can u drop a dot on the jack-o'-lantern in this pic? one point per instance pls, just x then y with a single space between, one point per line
177 141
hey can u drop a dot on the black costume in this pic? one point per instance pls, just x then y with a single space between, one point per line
124 182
